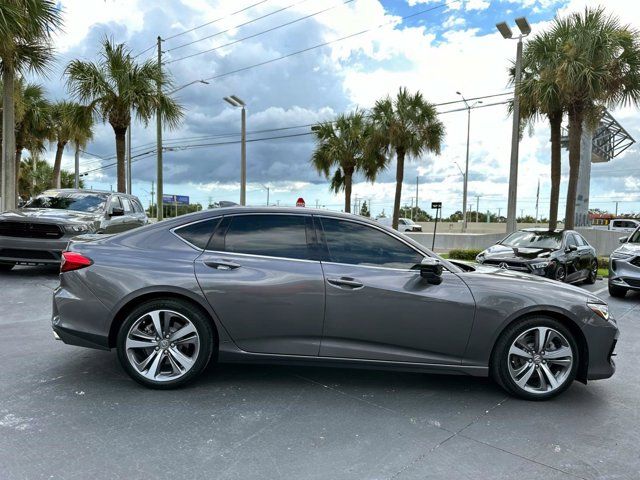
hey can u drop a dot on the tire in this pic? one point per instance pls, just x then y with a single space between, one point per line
541 370
618 292
167 362
5 267
560 273
593 273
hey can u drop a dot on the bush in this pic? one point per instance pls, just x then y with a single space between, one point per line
603 262
458 254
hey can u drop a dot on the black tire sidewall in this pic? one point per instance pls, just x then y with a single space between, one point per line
555 274
6 266
499 367
199 320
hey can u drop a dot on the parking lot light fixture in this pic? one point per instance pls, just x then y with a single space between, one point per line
235 101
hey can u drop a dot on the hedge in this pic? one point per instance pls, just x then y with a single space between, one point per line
459 254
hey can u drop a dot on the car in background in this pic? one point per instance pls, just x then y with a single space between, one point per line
561 255
404 224
624 266
626 225
38 232
312 287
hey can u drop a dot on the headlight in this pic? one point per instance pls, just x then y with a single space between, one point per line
600 309
618 254
538 265
480 258
78 228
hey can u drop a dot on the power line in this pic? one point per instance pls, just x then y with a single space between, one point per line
324 44
237 26
277 27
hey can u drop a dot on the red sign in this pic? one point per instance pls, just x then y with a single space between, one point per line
300 202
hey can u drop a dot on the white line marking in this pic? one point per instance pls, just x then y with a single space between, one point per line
601 290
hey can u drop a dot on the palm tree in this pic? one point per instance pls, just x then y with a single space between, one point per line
116 86
35 177
406 125
69 120
345 145
540 96
598 65
26 27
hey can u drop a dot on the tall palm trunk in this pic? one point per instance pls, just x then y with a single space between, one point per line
7 174
348 181
399 178
19 149
576 116
55 181
120 148
555 122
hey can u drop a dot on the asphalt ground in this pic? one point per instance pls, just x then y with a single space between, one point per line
72 413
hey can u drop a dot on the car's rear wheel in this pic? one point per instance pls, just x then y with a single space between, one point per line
6 266
535 358
165 343
593 272
560 274
618 292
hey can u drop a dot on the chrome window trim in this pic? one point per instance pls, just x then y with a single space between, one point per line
267 257
405 270
173 231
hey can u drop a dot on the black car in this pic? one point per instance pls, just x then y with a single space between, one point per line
562 255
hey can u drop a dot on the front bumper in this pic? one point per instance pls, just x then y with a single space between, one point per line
518 266
32 250
625 272
602 340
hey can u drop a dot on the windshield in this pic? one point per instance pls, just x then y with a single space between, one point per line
408 221
635 236
80 202
534 240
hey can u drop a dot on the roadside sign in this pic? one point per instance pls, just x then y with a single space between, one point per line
181 199
300 202
436 204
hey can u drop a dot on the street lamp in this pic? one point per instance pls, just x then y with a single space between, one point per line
266 187
505 31
237 102
466 168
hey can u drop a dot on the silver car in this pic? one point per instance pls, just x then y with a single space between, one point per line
38 232
302 286
624 266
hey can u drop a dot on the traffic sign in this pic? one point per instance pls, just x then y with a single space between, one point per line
300 202
436 204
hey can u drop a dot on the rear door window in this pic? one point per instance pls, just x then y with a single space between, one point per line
269 235
115 203
126 204
198 234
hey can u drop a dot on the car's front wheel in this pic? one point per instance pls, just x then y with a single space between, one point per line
165 343
560 273
535 358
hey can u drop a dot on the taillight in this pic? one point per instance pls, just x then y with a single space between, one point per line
73 261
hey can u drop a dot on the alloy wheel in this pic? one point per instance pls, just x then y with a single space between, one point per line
540 360
560 273
162 345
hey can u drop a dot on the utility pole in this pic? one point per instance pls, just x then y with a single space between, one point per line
417 184
159 206
317 202
243 154
267 196
477 206
616 209
151 200
466 168
537 200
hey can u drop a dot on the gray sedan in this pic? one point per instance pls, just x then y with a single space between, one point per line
624 266
310 287
39 231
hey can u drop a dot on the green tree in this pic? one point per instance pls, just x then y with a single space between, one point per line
35 177
117 86
406 125
70 122
26 27
345 145
598 65
364 210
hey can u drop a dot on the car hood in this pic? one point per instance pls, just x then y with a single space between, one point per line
53 215
506 252
629 249
541 289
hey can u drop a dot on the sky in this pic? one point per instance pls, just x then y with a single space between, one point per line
437 47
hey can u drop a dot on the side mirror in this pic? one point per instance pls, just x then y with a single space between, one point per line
116 212
430 270
623 239
572 248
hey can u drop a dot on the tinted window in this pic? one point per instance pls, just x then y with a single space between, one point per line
271 235
581 241
198 234
126 204
358 244
115 202
78 201
571 240
136 205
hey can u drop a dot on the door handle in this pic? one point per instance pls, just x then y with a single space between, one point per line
222 264
345 282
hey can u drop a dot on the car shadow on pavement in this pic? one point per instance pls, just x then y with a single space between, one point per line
31 271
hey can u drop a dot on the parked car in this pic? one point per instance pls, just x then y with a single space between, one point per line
627 225
562 255
404 224
624 266
38 232
311 287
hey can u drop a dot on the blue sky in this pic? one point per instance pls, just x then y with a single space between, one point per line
453 47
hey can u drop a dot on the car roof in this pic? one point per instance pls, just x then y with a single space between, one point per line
85 190
543 230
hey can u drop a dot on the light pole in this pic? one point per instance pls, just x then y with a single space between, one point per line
266 187
525 29
466 167
464 196
236 102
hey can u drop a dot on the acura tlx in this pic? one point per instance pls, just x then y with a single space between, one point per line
302 286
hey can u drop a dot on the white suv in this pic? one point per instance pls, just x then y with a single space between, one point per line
404 224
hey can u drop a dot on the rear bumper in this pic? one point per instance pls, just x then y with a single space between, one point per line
32 250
